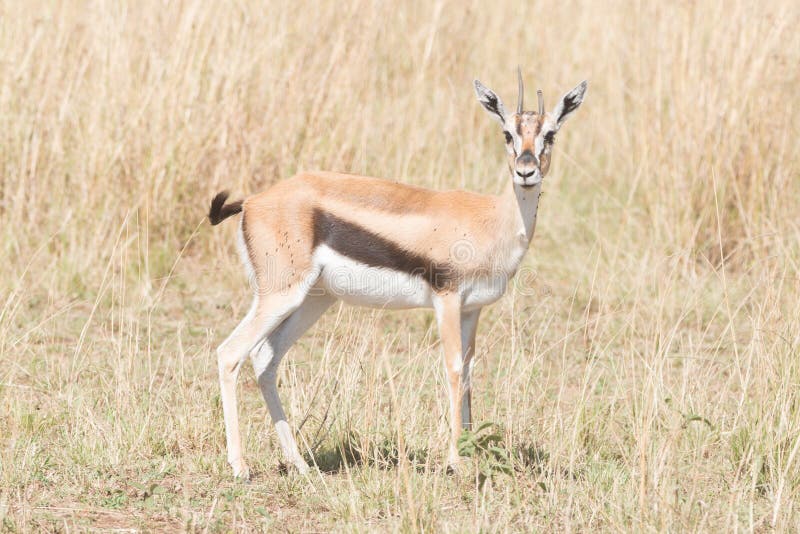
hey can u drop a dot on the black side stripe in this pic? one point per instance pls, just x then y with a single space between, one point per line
358 243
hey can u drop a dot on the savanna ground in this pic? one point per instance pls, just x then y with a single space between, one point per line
644 373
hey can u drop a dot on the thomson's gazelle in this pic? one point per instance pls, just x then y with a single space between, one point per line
321 236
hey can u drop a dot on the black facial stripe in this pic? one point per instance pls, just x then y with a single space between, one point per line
359 244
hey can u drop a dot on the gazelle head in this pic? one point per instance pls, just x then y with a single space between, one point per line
529 135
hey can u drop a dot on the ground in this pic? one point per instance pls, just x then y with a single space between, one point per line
641 374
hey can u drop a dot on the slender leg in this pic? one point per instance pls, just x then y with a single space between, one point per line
448 315
228 360
266 313
267 359
469 326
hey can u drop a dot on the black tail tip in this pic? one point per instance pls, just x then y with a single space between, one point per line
220 211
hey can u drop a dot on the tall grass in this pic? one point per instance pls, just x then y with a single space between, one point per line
647 378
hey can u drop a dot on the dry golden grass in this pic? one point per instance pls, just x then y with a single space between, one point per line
647 378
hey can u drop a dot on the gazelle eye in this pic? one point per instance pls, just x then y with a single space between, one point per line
550 138
508 137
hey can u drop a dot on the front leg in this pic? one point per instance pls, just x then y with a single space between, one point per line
448 316
469 326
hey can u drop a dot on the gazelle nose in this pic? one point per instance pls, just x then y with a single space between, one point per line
526 159
525 164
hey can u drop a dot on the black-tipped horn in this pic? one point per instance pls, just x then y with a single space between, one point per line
541 101
521 95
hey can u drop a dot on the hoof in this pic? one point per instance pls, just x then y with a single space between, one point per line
454 467
302 467
241 473
297 466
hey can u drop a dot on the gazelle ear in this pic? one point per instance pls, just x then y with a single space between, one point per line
490 102
569 103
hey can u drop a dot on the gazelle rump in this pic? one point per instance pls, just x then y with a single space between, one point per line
319 237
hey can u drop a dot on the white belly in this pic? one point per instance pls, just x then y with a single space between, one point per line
364 285
482 290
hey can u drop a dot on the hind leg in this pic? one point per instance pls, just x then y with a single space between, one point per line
266 313
267 359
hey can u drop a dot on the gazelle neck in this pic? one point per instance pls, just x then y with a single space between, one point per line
522 204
